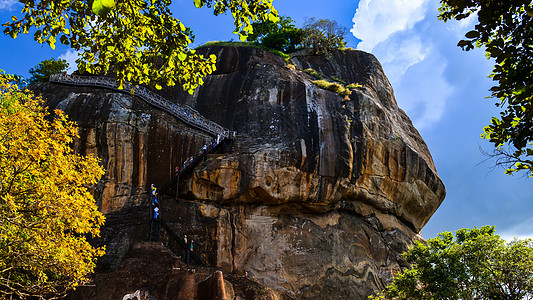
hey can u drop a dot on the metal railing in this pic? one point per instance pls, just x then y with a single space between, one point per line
184 113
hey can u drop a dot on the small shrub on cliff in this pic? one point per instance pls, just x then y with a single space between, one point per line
475 264
290 67
334 87
45 207
313 73
337 79
353 86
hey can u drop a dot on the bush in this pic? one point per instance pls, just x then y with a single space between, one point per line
353 86
313 73
334 87
337 79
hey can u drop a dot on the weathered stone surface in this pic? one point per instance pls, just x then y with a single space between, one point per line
306 255
138 144
298 143
150 271
316 198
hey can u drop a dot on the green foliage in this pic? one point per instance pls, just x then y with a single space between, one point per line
505 31
139 40
282 36
245 44
46 209
337 79
334 87
323 35
314 73
353 86
475 264
42 72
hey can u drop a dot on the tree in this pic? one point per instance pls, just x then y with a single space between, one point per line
323 35
283 35
505 30
42 72
46 209
475 264
139 40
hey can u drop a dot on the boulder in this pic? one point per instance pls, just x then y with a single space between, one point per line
316 197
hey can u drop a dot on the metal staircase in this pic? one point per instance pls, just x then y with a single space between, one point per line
185 113
165 188
181 241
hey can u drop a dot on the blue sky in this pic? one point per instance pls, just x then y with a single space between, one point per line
442 89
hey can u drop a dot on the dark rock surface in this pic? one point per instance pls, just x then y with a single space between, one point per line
317 197
150 271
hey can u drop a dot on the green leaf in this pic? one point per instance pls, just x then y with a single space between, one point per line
182 56
64 40
52 42
472 34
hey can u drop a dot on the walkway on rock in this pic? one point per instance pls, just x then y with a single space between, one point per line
190 165
187 168
184 113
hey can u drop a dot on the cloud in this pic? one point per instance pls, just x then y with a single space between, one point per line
7 4
401 34
70 56
424 91
398 54
376 20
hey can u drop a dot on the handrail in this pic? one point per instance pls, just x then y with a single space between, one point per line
166 187
182 243
185 113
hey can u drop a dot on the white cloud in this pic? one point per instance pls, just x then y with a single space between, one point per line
376 20
70 56
423 91
396 32
7 4
397 55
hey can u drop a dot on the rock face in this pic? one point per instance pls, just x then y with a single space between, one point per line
161 275
318 195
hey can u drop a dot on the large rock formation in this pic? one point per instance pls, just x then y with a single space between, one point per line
317 196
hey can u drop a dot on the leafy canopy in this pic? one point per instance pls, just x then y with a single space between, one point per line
45 207
505 31
323 35
282 36
475 264
139 40
42 72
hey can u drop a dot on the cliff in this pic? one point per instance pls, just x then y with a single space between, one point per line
317 196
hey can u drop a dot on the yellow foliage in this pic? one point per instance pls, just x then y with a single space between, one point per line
46 210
